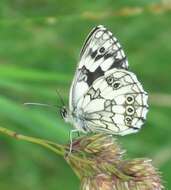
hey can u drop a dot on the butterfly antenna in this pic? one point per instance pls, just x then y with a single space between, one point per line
40 104
60 97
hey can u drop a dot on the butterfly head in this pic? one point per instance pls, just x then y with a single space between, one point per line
64 113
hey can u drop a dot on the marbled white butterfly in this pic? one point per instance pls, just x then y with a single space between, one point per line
105 96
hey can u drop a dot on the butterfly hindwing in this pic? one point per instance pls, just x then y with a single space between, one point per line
115 103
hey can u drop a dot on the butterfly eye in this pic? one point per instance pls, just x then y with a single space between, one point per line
63 112
101 50
116 85
128 120
129 99
130 110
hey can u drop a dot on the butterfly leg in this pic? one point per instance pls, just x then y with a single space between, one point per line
71 137
78 133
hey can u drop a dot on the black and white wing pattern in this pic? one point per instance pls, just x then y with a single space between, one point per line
115 103
100 53
104 95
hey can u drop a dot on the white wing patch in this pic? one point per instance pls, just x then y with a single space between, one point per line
115 103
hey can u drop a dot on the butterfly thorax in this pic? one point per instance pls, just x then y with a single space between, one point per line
78 120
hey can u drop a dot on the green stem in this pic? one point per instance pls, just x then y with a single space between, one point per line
58 149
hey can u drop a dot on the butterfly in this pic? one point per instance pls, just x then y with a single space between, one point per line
105 96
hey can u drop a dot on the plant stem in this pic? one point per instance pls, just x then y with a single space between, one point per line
58 149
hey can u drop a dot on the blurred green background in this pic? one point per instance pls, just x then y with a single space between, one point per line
40 42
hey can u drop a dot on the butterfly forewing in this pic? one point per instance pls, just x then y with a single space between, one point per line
100 53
